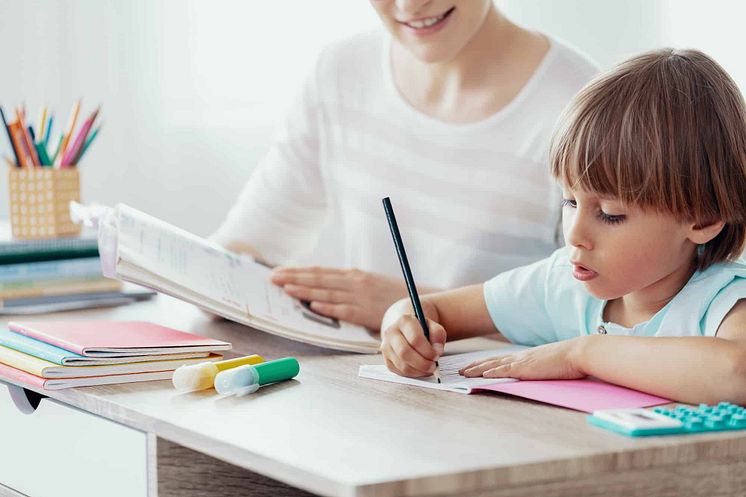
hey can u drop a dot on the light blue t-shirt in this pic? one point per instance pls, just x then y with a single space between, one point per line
543 303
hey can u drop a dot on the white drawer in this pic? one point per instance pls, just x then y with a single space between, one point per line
59 451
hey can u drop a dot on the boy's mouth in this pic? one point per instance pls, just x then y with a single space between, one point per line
582 273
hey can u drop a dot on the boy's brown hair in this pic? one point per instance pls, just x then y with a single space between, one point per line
664 130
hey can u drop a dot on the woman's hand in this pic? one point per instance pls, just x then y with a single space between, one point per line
554 361
351 295
406 350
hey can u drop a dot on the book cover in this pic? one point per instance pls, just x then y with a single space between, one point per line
62 357
22 378
46 369
116 338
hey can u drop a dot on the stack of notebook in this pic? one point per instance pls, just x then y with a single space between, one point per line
56 274
54 355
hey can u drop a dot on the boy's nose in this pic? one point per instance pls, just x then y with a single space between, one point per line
576 232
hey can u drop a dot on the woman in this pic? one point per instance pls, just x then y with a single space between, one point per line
450 114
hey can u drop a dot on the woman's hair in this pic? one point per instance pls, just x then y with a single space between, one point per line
665 130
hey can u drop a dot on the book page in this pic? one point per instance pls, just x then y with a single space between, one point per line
189 261
450 378
153 249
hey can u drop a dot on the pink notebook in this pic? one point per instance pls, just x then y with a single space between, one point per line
116 338
582 395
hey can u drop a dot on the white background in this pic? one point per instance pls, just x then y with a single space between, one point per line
191 90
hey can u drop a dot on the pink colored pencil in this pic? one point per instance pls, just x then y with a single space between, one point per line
73 151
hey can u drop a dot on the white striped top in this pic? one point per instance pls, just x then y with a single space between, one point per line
471 200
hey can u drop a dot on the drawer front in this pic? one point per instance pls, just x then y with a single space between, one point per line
58 450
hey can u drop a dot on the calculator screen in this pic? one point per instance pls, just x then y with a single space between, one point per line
642 416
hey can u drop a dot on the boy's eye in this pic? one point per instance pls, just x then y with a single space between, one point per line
566 202
610 218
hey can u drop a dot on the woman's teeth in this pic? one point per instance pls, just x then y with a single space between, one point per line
426 23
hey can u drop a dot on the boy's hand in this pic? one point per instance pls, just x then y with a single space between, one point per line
406 350
355 296
554 361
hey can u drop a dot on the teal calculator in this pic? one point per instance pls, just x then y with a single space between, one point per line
664 421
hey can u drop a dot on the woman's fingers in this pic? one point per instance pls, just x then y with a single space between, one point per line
317 294
314 277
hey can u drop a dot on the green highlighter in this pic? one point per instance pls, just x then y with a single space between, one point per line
247 379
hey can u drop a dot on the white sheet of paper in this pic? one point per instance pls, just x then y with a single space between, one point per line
451 380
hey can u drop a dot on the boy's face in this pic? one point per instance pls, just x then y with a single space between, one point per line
433 30
618 250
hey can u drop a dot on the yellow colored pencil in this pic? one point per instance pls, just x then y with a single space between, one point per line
43 122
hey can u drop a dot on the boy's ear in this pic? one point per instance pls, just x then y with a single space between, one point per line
701 234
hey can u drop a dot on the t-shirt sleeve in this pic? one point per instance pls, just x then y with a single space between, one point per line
282 207
517 302
721 305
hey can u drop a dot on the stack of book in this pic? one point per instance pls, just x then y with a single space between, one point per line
55 355
57 274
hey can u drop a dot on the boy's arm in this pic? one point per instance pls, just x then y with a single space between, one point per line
462 312
687 369
405 349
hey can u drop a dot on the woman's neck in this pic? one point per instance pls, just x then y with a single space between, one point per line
483 78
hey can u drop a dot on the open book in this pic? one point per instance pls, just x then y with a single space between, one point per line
139 248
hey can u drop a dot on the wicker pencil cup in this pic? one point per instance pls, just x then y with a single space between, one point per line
40 202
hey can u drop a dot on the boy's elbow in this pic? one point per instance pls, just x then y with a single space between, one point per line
736 384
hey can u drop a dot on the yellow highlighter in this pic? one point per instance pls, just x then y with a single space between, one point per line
191 378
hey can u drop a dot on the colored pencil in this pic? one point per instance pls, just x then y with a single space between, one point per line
16 152
42 121
88 144
69 133
49 130
27 139
74 150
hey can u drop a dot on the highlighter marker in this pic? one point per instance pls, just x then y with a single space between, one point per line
247 379
201 376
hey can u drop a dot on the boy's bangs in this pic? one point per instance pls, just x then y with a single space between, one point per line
611 144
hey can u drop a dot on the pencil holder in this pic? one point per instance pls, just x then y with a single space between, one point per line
40 202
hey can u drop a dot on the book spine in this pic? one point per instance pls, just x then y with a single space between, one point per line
47 255
90 266
33 347
21 361
97 285
42 337
10 286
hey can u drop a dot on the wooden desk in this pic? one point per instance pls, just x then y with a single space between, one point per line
332 433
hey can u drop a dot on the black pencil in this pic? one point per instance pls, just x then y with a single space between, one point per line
413 296
10 138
